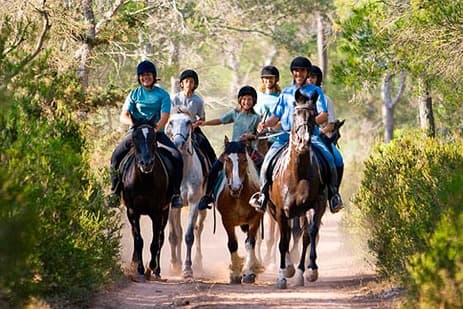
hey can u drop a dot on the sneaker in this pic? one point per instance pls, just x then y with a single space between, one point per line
177 201
336 204
258 201
205 201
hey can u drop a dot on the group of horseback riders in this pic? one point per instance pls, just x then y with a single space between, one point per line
267 110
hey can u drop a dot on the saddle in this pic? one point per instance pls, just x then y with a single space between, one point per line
163 155
203 159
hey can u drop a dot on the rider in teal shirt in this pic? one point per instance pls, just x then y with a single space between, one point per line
147 102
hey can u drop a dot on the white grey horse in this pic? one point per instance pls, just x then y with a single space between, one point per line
179 129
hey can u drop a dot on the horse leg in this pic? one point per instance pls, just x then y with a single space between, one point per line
283 246
198 230
175 240
297 232
158 224
252 265
270 243
189 240
314 228
137 256
236 261
299 278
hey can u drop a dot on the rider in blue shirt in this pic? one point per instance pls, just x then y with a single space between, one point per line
283 112
324 136
147 102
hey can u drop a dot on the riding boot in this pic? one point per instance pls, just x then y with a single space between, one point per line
211 180
259 199
335 198
116 188
176 201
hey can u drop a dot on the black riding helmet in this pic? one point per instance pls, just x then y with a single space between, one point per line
146 67
300 63
314 70
248 90
270 70
192 74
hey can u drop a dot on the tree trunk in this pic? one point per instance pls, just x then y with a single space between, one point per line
321 45
389 103
425 109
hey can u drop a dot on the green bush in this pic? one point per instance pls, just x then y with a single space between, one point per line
400 198
437 273
57 238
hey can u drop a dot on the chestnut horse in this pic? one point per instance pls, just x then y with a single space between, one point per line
145 191
296 187
240 183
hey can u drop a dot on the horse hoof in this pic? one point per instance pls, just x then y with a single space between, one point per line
249 278
176 269
312 275
290 271
187 273
138 278
299 278
281 284
235 279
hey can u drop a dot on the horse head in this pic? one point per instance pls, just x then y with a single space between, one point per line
144 141
179 129
235 165
303 118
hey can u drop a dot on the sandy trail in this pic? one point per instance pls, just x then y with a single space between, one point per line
345 279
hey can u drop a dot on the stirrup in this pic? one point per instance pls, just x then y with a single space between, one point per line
336 204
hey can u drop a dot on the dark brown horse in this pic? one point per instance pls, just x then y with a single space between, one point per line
145 192
240 183
297 187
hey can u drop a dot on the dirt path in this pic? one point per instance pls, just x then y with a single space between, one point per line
345 280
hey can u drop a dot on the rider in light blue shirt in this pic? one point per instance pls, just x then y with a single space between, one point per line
283 112
326 130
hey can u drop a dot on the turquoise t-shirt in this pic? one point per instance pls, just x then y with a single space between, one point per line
145 104
243 122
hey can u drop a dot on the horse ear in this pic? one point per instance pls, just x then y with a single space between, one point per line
226 140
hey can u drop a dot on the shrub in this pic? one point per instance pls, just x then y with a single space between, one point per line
400 198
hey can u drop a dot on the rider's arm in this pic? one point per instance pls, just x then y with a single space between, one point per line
125 118
268 123
321 118
163 120
212 122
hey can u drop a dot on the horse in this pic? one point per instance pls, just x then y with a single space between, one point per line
145 191
296 187
179 129
239 184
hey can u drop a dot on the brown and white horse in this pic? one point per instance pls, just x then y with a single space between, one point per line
296 187
240 183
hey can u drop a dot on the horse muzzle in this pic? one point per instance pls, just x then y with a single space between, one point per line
235 191
146 167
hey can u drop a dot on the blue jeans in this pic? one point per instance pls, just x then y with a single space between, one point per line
268 157
321 146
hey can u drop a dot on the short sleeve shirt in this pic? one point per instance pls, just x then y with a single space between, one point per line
145 104
243 122
194 104
284 108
